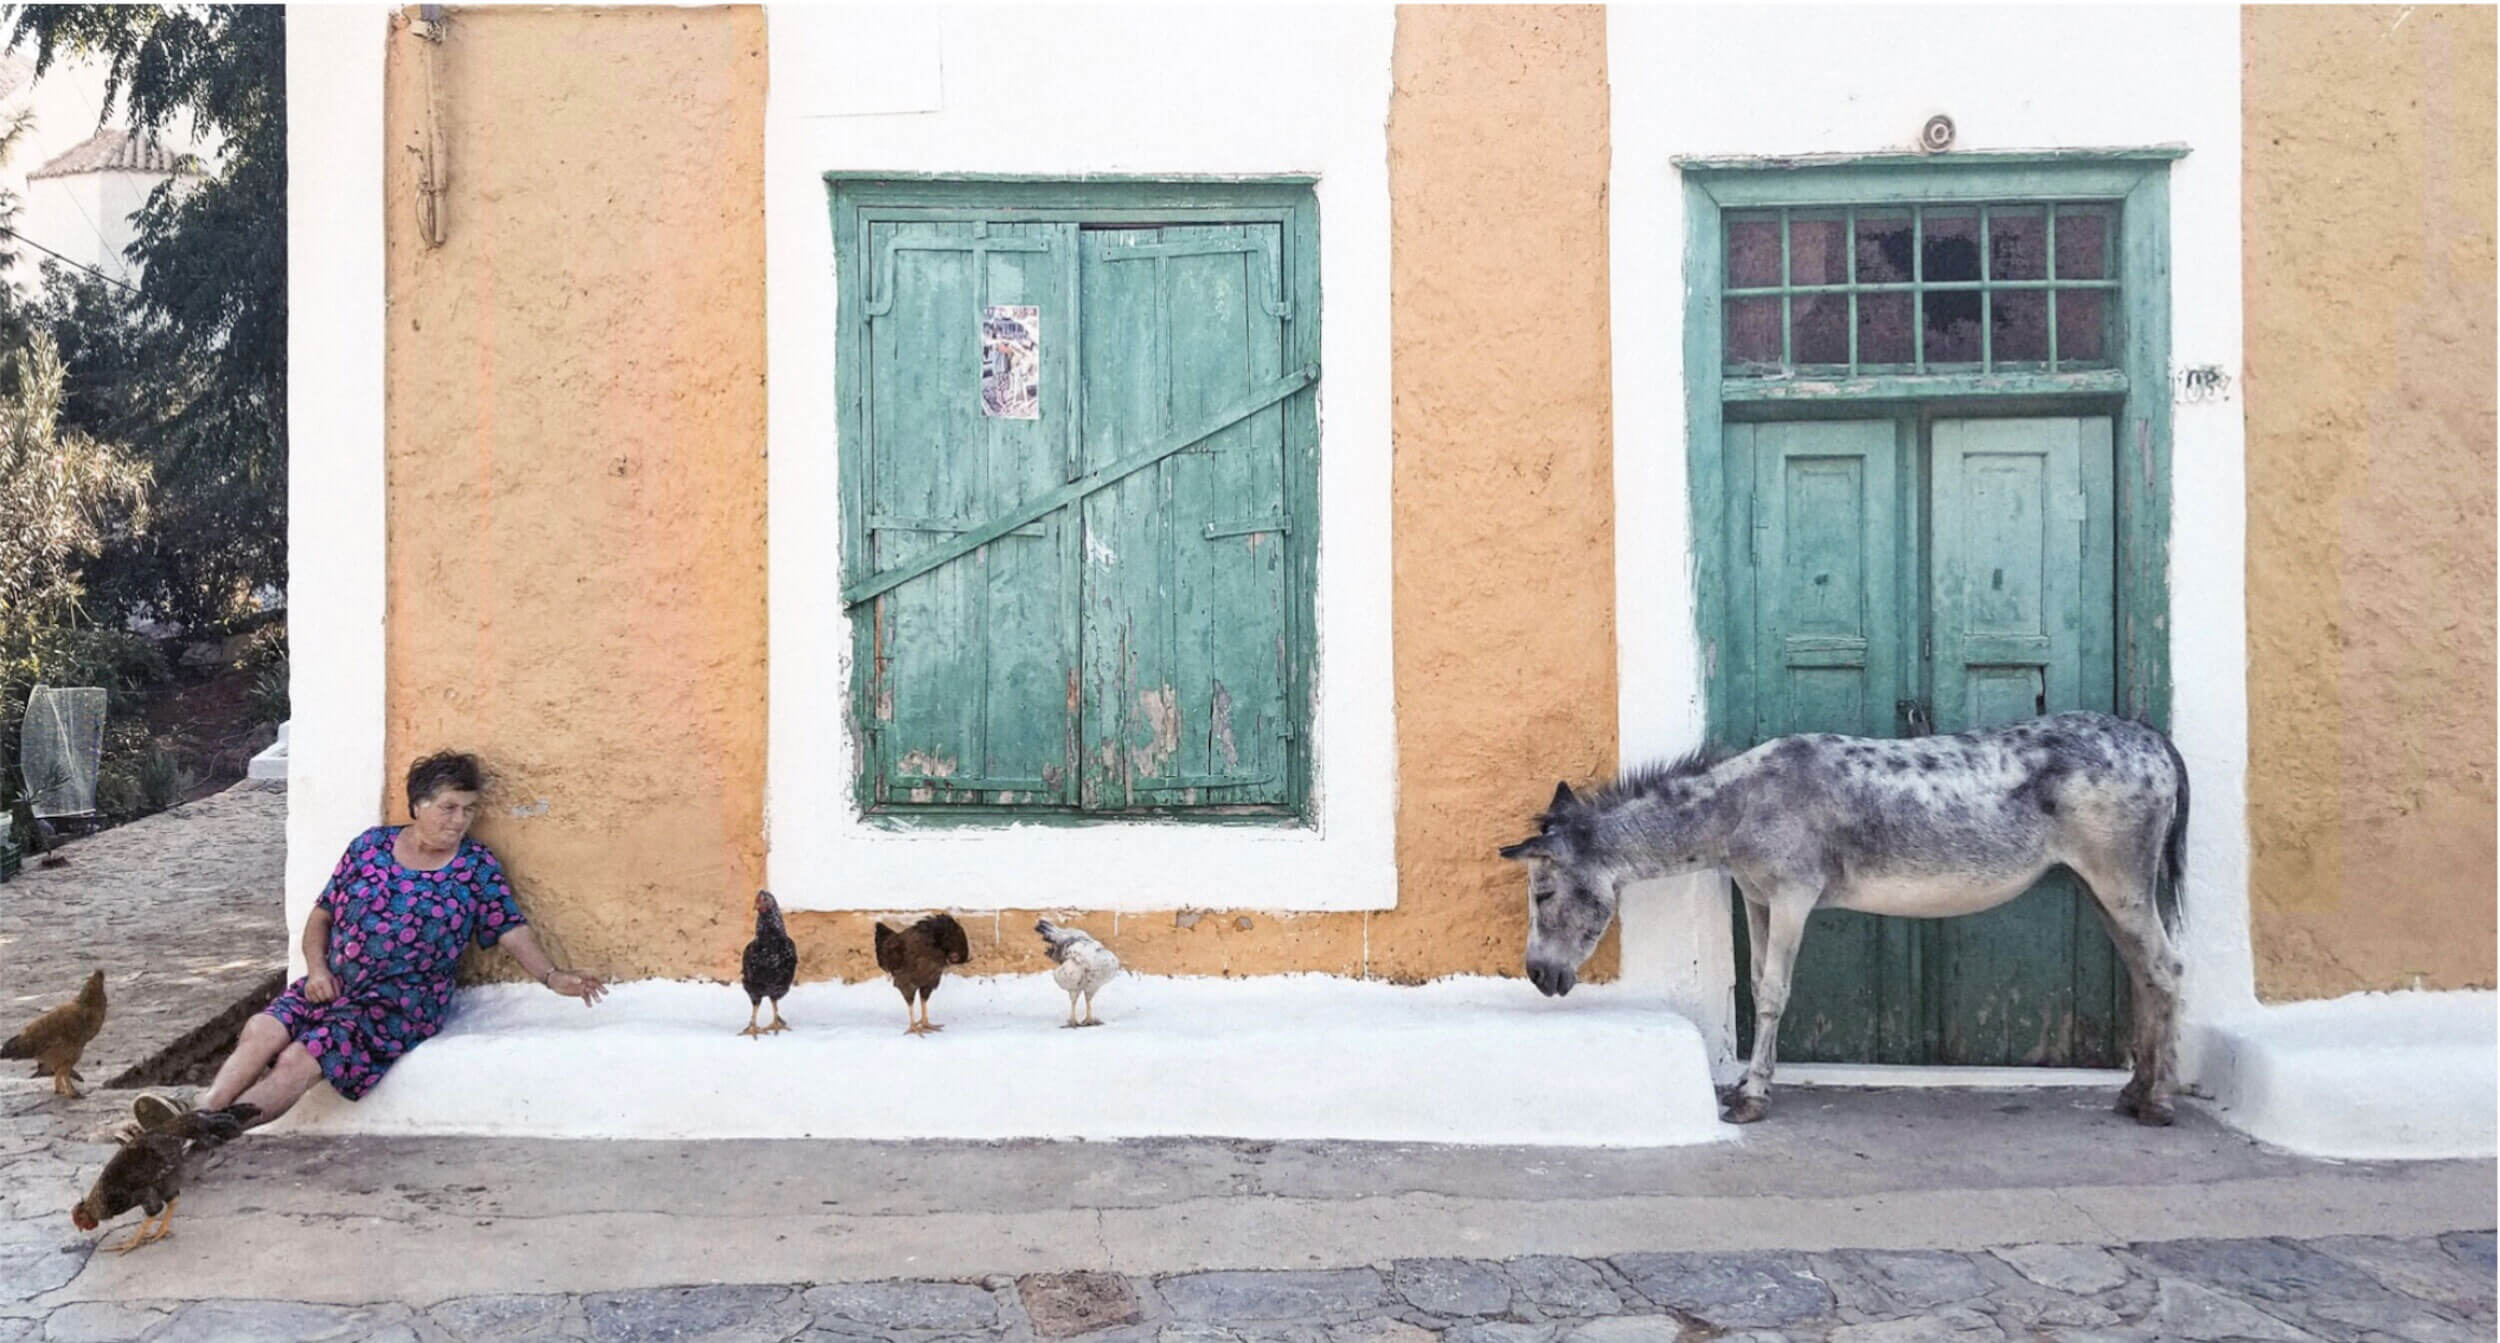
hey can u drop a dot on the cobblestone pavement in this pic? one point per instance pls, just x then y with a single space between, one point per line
2350 1289
2425 1290
184 911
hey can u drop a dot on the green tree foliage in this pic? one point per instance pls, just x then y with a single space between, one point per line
63 497
190 371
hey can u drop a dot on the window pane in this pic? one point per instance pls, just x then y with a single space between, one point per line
1753 331
1818 250
1822 330
2022 325
1953 327
1884 247
1884 328
2018 245
1753 251
2082 324
1951 248
2082 245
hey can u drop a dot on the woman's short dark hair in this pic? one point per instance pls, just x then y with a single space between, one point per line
441 770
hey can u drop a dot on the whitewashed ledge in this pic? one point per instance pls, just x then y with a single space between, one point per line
2370 1076
1471 1060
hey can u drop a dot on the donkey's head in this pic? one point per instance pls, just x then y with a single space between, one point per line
1572 886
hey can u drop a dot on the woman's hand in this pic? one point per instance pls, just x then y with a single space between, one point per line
588 988
320 986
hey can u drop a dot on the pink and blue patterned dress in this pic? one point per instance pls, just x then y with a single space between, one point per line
395 942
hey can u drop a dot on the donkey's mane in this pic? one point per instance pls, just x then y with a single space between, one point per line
1659 776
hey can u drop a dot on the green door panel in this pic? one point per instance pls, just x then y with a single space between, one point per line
2022 569
1821 510
970 661
1185 602
1994 540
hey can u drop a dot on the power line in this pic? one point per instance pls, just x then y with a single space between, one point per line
108 279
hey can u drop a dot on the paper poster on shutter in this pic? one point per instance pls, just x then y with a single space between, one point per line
1011 362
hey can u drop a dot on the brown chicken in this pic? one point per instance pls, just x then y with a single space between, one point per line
56 1039
916 959
148 1171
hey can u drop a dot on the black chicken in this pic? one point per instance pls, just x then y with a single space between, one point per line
771 962
148 1171
916 959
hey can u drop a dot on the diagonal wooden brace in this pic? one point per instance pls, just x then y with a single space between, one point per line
1035 508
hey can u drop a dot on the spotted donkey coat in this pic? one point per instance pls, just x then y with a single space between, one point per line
1925 827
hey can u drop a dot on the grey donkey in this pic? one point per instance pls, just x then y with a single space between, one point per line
1924 827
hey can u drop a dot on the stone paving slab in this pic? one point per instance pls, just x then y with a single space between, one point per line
2162 1291
676 1229
184 911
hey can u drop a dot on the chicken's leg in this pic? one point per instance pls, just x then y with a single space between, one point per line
754 1007
62 1083
1090 1019
1072 1021
153 1228
778 1024
911 1006
925 1023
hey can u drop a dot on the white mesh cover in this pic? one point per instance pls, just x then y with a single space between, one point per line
60 746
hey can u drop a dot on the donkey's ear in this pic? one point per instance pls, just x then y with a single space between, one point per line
1527 848
1563 798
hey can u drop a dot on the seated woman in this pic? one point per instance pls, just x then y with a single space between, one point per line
382 943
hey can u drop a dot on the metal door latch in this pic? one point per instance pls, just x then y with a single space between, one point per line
1915 713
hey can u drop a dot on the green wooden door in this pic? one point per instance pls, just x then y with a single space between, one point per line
2022 612
1965 564
968 685
1185 592
1822 512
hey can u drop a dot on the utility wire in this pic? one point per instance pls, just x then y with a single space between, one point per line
4 229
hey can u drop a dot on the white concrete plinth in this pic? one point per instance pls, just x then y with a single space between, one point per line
1277 1057
2369 1076
271 762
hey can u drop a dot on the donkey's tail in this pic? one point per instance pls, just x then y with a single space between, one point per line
2174 847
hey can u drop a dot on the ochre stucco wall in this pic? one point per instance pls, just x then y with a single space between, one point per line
2369 268
577 485
575 426
1504 510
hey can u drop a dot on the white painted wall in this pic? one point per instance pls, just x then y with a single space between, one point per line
1785 80
87 218
334 419
1063 92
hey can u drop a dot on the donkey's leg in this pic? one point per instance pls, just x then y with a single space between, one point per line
1783 926
2124 892
1757 940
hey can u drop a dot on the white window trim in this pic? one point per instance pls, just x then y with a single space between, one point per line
1311 96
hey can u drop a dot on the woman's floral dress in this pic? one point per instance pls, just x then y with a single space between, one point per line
395 941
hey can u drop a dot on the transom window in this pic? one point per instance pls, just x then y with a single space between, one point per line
2014 286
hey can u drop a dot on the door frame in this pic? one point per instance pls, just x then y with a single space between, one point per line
2136 390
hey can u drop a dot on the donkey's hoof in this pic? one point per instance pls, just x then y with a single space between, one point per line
2154 1114
1745 1110
2128 1101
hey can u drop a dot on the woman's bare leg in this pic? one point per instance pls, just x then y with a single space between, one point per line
289 1078
258 1046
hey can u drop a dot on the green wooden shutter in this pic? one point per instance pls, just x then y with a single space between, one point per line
1187 625
1820 518
969 663
2023 568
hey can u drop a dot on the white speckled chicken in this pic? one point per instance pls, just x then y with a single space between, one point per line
1083 966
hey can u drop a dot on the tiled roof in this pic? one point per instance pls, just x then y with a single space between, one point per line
113 151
